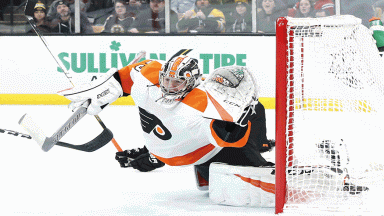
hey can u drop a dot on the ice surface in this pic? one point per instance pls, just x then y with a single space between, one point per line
69 182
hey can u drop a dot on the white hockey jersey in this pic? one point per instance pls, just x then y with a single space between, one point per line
179 135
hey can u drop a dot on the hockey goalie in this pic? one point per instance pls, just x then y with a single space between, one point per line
187 121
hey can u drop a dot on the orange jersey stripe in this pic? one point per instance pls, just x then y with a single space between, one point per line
268 187
125 74
196 99
237 144
223 113
151 72
189 158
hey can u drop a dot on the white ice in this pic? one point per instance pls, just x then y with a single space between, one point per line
69 182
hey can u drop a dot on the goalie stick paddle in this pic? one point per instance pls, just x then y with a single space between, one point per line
28 12
101 140
37 134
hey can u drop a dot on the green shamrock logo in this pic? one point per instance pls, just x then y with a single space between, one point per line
115 46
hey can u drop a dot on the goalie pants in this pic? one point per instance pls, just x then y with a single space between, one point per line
248 155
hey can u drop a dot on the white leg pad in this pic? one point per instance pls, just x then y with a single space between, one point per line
241 186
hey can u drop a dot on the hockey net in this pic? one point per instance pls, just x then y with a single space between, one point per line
329 115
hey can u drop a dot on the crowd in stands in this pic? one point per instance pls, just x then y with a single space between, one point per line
188 16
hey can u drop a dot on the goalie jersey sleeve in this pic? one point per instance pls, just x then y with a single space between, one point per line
128 73
179 135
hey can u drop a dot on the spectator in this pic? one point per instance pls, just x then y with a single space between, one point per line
203 18
322 13
120 20
326 6
151 20
182 6
39 16
100 4
306 9
48 2
135 7
378 6
322 8
362 9
240 18
290 3
52 12
65 22
87 5
266 17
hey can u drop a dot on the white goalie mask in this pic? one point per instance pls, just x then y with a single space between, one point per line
177 77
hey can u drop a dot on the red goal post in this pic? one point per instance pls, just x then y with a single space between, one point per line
329 100
281 112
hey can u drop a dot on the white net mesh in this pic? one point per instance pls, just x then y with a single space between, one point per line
335 117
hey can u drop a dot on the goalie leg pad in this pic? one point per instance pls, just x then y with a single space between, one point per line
242 185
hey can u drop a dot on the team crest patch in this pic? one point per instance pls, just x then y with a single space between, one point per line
222 80
151 124
230 78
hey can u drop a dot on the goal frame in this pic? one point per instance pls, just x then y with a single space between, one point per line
282 50
288 75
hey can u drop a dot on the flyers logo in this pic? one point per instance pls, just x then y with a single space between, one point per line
224 81
150 123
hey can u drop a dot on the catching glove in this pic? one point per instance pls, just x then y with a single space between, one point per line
146 162
247 113
100 92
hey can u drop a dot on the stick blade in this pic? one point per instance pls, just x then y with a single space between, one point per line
33 129
101 140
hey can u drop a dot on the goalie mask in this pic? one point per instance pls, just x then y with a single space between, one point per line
177 77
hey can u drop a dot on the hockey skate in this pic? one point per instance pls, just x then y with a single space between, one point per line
337 154
354 189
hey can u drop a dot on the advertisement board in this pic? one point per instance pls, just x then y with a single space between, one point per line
30 75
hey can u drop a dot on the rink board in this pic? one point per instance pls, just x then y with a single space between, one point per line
31 71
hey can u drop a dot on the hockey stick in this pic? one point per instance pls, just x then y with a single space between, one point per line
15 133
29 8
101 140
46 143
